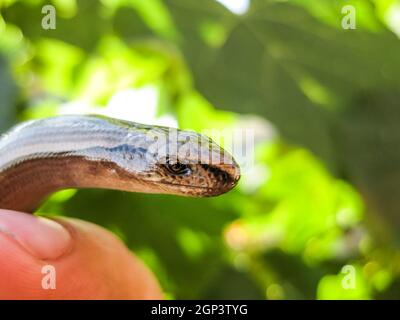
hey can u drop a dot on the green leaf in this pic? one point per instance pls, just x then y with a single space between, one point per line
343 287
8 92
330 90
269 54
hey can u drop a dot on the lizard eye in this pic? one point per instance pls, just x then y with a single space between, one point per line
178 168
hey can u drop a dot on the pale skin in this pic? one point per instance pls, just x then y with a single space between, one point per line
89 261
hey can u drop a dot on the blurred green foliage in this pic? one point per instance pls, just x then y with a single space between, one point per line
323 191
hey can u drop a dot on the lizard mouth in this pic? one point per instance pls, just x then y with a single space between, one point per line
222 180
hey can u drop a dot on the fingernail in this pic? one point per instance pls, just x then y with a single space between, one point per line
41 237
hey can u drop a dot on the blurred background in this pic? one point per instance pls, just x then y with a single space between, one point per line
324 190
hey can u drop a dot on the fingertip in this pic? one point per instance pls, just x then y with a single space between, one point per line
43 238
115 272
88 263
